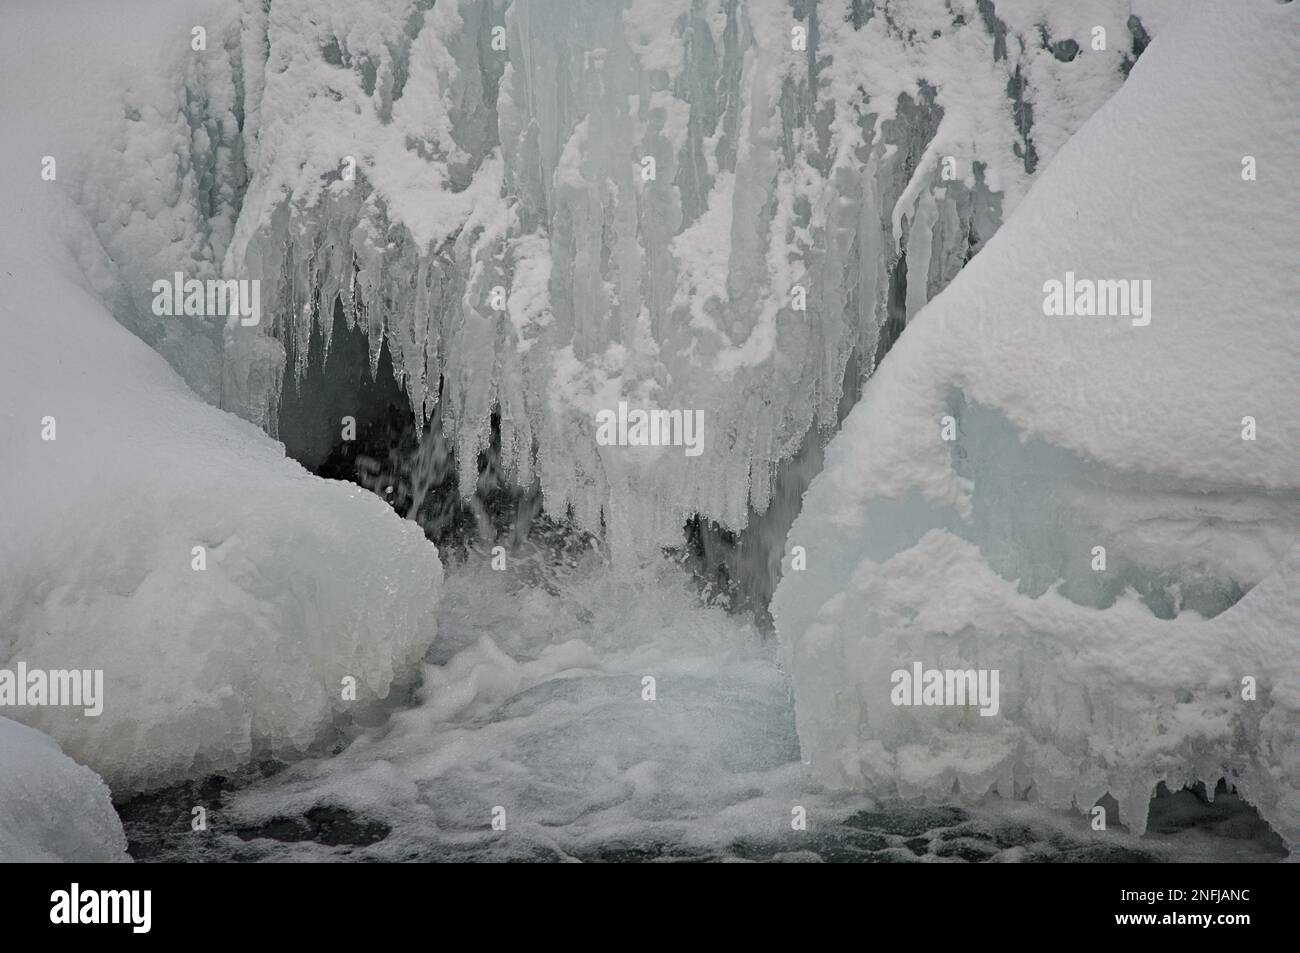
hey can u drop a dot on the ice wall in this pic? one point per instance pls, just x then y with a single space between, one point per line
1101 509
550 207
147 134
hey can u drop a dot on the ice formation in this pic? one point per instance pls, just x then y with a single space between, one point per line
1103 529
51 808
546 208
113 472
210 657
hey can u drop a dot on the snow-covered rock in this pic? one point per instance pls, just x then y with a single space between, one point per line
1071 435
224 591
51 808
302 581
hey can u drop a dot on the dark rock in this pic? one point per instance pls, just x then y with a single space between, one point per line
331 826
969 850
1065 50
907 821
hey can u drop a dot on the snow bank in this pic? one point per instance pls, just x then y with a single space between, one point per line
51 808
224 591
1120 668
303 581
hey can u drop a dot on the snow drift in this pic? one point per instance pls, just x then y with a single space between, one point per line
1112 524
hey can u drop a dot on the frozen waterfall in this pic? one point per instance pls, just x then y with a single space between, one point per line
662 423
542 209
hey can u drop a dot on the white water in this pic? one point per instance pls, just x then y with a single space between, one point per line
533 701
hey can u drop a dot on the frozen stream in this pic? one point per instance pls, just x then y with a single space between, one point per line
533 701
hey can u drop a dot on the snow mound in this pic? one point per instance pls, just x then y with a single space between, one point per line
1080 502
224 592
51 808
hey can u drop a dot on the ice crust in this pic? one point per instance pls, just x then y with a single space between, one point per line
1075 432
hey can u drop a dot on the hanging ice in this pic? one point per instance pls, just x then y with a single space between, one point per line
548 208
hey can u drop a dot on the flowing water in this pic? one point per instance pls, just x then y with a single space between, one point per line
535 711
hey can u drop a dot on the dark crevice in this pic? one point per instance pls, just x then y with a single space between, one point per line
1226 815
1140 40
996 28
1023 112
404 460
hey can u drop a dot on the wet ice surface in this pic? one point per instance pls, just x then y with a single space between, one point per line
533 702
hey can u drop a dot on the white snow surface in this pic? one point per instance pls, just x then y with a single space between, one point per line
306 582
51 808
1076 432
